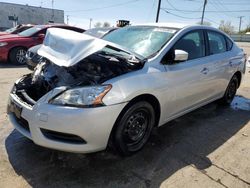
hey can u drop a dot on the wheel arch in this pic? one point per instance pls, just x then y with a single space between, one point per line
14 48
143 97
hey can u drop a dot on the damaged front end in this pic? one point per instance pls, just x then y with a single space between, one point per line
75 60
91 71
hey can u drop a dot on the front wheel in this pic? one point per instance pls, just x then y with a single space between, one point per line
230 91
134 127
17 56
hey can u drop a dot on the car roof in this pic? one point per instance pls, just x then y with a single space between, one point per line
164 24
176 25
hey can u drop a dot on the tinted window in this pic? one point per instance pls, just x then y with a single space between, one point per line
193 44
31 31
217 43
229 44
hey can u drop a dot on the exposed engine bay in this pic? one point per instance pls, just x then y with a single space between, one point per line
92 70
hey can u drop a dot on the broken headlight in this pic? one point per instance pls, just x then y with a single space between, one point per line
82 97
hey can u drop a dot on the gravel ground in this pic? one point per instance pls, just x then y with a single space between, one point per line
209 147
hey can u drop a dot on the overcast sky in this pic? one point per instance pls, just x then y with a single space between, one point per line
141 11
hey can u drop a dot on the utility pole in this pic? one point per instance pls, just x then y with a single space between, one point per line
67 19
53 14
240 22
203 11
90 21
158 11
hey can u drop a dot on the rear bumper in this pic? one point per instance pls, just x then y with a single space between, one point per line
92 125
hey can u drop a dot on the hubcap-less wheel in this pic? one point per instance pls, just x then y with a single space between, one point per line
20 56
136 127
133 128
230 92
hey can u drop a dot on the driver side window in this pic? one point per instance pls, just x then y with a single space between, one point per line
43 31
193 44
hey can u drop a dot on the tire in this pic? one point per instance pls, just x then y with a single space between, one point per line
230 91
17 56
133 128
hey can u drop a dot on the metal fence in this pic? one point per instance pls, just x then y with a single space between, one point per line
240 38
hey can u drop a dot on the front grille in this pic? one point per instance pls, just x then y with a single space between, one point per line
23 96
22 122
62 137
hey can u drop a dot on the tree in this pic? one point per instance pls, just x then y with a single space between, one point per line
227 27
106 24
205 23
98 24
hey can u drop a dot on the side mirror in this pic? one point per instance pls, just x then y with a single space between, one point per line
41 36
180 55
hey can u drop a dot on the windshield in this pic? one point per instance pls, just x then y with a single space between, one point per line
143 40
31 31
10 30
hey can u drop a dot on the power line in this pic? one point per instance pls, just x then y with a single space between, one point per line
219 4
219 11
166 11
225 3
178 9
212 21
153 5
212 11
104 7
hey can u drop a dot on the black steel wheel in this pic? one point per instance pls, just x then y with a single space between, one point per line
230 91
134 128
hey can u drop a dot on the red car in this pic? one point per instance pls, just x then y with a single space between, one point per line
13 47
16 30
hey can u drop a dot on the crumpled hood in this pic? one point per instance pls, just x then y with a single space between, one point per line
66 48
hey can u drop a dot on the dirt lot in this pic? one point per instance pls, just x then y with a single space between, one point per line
209 147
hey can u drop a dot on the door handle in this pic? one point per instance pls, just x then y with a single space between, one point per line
205 70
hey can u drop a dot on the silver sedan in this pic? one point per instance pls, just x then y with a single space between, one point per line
91 93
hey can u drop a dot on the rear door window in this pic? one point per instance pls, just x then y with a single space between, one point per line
229 44
217 43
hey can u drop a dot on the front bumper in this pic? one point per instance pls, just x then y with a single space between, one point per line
4 54
93 125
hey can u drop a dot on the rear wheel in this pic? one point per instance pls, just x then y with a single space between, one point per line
17 56
134 128
230 91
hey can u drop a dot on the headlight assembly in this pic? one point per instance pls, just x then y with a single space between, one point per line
82 97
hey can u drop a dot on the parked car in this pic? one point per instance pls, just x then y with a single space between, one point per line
13 47
91 93
17 29
32 58
100 32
